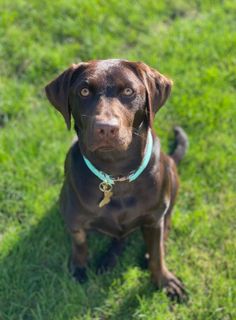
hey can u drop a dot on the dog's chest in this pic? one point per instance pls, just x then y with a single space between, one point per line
119 217
126 210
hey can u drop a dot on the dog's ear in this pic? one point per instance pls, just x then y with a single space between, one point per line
158 88
57 92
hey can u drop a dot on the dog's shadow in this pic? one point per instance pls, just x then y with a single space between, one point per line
37 285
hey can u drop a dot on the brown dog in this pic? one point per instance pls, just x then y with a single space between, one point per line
113 103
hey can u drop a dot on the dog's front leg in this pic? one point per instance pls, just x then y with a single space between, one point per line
161 276
79 257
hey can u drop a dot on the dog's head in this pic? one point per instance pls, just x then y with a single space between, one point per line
109 100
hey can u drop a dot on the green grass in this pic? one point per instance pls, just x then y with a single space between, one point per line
194 42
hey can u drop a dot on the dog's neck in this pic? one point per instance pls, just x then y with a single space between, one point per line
119 163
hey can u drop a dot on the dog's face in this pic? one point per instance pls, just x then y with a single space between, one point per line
109 100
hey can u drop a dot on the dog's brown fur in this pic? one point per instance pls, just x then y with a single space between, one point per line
112 130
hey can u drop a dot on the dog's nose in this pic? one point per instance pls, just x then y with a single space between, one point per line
107 129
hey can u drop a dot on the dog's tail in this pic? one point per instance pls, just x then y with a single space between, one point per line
181 145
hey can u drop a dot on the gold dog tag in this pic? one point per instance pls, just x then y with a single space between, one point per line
106 189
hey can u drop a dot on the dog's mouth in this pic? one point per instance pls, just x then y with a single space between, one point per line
108 146
117 144
103 147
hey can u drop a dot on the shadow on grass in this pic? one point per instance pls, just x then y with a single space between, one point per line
35 283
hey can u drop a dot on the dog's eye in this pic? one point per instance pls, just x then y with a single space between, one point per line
127 92
84 92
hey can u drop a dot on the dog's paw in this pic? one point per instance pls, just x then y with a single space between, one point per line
173 287
78 273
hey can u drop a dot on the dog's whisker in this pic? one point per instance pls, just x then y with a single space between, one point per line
135 132
86 116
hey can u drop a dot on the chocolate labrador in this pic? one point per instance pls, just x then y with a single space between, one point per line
116 177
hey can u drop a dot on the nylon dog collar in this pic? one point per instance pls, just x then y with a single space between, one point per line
106 178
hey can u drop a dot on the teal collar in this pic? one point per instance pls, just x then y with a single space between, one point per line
134 175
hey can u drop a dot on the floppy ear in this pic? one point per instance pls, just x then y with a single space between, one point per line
158 88
57 92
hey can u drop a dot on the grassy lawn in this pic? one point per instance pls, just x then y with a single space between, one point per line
194 42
